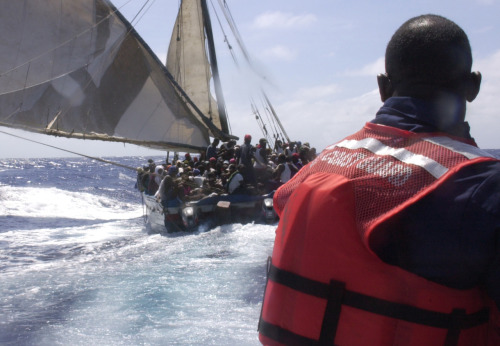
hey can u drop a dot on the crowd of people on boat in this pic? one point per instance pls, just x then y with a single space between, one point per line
224 168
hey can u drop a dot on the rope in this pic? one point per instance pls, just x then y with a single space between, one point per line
139 15
273 119
72 152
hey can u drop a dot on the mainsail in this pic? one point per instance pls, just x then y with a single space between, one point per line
78 69
189 64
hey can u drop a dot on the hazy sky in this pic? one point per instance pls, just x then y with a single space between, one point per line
320 59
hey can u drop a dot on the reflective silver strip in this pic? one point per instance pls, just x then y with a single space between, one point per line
467 150
375 146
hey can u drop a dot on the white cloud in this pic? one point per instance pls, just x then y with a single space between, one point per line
162 57
317 92
313 115
371 69
283 20
489 66
317 115
324 120
483 112
485 2
279 53
484 29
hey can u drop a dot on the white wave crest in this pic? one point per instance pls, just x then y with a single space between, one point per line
53 202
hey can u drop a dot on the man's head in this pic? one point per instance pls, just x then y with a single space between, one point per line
263 142
281 158
426 55
172 171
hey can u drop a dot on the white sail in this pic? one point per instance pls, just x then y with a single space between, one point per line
78 69
187 59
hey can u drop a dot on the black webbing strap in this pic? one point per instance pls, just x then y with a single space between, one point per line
284 336
337 295
277 333
454 330
336 292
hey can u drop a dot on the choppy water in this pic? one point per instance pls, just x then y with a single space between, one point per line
78 267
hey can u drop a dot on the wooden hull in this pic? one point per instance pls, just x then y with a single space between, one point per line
214 210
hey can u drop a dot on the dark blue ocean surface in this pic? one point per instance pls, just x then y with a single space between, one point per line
78 266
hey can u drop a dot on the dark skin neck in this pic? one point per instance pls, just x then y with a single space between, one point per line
450 103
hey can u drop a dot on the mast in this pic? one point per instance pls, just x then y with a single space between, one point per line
221 105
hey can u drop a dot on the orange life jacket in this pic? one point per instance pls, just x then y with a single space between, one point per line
325 284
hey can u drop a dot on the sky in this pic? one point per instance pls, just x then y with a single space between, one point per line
318 60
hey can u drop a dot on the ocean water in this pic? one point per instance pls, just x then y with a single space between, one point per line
79 267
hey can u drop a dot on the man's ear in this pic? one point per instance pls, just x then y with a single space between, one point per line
473 86
385 86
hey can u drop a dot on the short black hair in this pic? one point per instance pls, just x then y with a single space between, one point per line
428 49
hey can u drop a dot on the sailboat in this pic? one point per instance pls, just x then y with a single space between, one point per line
78 69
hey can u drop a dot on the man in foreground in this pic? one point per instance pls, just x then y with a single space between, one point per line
391 236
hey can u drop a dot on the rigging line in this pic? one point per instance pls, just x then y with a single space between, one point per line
229 46
269 118
226 40
223 116
260 121
264 125
222 28
275 116
232 24
239 39
234 29
276 132
141 10
72 152
255 113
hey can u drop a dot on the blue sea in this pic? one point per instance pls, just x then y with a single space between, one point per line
78 265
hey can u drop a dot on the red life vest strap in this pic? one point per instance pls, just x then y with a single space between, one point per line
337 295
